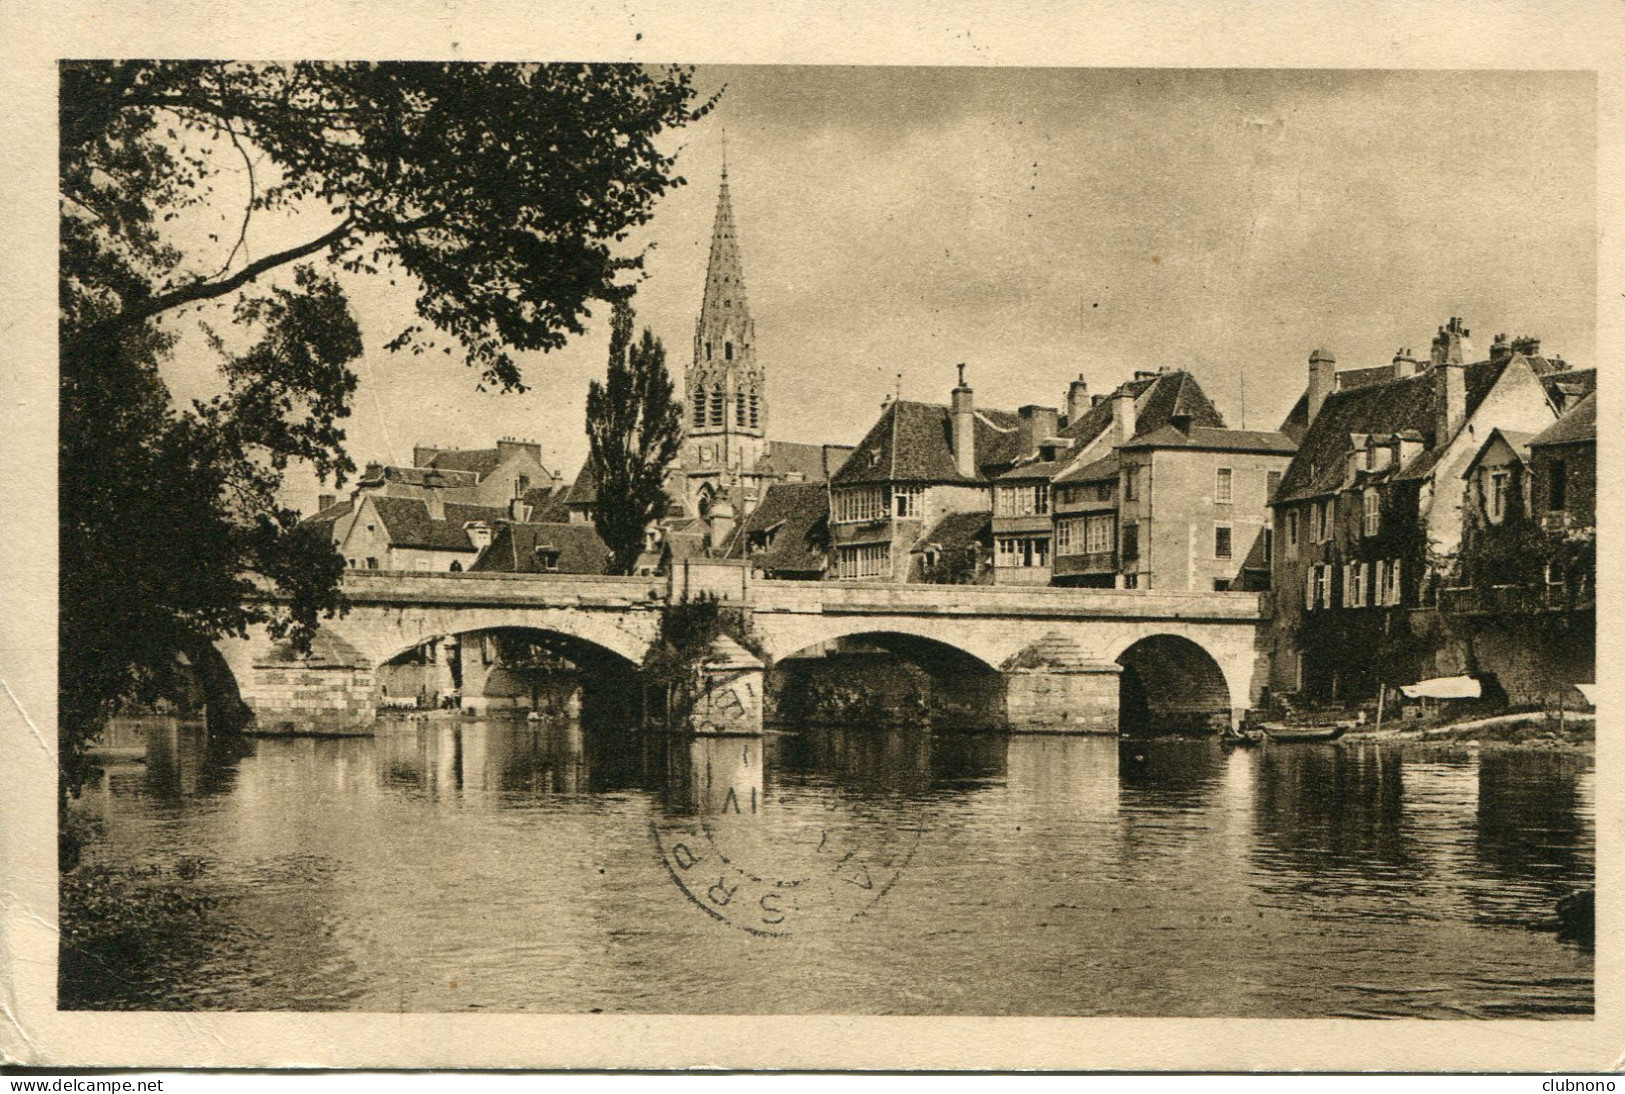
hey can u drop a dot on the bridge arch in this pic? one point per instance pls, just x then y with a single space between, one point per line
1171 684
869 674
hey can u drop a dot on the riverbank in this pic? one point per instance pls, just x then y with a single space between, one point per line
1575 732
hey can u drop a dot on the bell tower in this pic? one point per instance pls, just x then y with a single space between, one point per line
725 417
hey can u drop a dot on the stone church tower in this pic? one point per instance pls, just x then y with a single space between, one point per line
725 420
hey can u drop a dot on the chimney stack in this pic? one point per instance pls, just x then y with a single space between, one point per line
1450 399
721 518
1322 380
1077 399
325 501
1451 345
1037 423
1122 416
964 428
1406 364
1528 345
1500 348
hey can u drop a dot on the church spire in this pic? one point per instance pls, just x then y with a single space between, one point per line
725 387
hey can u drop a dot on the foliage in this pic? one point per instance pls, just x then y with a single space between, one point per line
501 192
687 630
634 427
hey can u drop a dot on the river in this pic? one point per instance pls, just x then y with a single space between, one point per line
509 866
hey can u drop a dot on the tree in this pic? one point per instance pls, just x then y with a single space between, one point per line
634 428
500 193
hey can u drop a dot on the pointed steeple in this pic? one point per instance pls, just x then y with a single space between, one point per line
724 340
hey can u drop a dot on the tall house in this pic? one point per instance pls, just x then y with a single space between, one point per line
726 390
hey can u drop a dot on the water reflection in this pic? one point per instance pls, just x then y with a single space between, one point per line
1043 875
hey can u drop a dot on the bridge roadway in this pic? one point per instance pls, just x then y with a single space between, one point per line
1066 645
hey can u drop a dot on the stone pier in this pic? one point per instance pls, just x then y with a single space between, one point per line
1053 686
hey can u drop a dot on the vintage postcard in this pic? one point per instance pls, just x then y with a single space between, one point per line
969 537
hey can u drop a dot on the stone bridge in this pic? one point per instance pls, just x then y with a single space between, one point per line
1063 658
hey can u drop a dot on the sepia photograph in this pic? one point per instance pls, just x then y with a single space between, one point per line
606 539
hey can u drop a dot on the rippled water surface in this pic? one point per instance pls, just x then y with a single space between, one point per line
512 866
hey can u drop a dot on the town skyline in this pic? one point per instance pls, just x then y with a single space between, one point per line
905 220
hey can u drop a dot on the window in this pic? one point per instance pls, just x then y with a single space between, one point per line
1372 503
1068 536
1222 490
755 410
1498 494
1131 484
1103 491
372 564
907 502
1272 483
1022 501
456 567
862 503
1131 581
353 563
699 404
1221 541
727 351
741 406
1221 584
1395 593
547 559
866 560
1131 541
708 351
1557 494
1291 533
1269 545
1323 592
1022 552
521 485
1354 585
719 404
1099 534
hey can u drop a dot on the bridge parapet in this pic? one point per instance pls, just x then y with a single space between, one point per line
528 590
1037 602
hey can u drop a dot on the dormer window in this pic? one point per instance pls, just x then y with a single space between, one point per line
547 559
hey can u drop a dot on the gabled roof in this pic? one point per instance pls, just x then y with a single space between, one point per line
797 515
1215 440
518 549
584 491
1157 401
958 530
327 518
1100 470
1578 426
407 523
1394 406
1513 439
1572 384
912 442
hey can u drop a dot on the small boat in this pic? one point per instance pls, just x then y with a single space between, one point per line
1285 734
1241 738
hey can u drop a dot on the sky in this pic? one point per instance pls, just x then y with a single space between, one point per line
1040 223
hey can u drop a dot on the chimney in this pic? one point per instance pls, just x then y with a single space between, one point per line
1449 399
1406 364
1528 345
1451 345
508 446
1037 423
1322 380
964 428
722 522
423 455
1077 399
325 501
1097 398
1500 348
1122 416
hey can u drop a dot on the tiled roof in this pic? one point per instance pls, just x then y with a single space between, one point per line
546 504
408 524
797 514
1157 399
1579 424
1036 469
584 491
328 517
812 462
517 549
1398 405
1516 440
378 474
479 461
1100 470
958 530
1351 378
1215 440
912 443
1571 383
